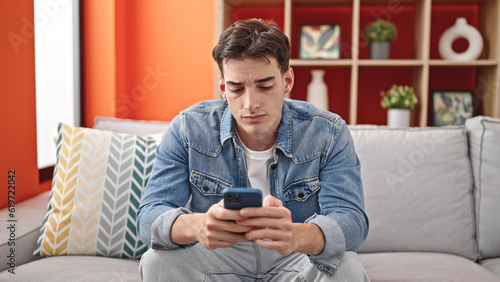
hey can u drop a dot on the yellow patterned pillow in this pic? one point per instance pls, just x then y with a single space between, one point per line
99 178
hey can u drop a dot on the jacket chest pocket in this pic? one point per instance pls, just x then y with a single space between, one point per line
207 190
301 198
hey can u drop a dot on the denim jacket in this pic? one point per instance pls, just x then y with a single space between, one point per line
315 173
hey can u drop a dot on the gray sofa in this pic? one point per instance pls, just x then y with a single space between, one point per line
432 196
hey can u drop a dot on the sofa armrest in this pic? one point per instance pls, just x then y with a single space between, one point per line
18 238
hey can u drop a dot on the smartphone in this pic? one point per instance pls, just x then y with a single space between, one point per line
238 198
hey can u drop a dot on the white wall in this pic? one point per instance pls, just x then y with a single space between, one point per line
57 72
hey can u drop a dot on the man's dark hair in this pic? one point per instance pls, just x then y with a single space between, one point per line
253 39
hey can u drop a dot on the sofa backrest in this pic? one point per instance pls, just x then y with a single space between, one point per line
417 185
130 126
484 152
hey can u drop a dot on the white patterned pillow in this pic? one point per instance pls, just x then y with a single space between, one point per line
99 178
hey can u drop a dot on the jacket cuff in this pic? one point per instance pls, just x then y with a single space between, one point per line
161 228
329 259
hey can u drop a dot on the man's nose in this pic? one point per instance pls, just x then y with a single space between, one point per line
251 100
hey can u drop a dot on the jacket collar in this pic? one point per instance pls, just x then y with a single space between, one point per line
284 141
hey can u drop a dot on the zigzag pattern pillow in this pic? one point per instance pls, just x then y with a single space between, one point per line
99 178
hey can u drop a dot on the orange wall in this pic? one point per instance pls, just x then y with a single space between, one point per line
17 109
141 59
98 58
146 59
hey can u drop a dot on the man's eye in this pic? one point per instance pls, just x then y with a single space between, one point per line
238 90
266 88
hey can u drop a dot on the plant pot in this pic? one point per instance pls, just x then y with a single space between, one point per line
398 118
380 50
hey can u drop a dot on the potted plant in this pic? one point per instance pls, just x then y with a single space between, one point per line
379 34
399 101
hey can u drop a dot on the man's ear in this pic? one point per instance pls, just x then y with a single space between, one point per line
289 80
222 86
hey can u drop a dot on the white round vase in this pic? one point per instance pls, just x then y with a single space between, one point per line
461 29
398 118
317 91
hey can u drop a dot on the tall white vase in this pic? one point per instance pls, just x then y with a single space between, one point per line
317 91
398 118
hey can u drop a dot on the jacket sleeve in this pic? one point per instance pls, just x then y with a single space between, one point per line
167 191
343 220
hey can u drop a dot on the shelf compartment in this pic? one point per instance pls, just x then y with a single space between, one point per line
323 15
443 17
403 17
457 78
357 81
373 80
337 80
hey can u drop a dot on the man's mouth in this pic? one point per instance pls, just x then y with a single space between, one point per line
254 118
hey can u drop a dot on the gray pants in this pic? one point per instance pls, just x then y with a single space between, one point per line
243 262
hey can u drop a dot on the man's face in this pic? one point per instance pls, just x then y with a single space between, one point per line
254 90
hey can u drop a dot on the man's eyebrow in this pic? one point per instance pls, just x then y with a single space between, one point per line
257 81
265 79
234 83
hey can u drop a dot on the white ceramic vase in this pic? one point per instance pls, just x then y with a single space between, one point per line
461 29
317 91
398 118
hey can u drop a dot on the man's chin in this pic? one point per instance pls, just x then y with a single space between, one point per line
253 129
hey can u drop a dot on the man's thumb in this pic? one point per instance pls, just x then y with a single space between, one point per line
270 201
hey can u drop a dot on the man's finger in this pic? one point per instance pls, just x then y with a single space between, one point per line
270 201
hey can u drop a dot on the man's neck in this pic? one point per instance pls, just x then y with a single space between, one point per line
258 142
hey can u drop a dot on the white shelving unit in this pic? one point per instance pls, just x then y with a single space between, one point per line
486 67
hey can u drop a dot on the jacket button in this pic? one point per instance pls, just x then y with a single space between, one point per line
205 188
301 195
273 166
321 267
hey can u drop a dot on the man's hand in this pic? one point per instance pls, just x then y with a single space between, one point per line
270 226
273 229
214 229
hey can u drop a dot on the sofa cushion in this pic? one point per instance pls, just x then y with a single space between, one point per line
417 185
492 265
138 127
484 151
99 178
400 267
30 217
76 268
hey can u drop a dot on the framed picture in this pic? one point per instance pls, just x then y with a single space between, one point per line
320 41
451 107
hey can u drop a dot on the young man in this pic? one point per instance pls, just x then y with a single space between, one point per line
302 158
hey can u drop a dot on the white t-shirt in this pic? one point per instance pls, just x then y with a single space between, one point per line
257 164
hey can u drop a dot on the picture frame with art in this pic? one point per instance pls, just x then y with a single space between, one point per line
452 107
319 41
